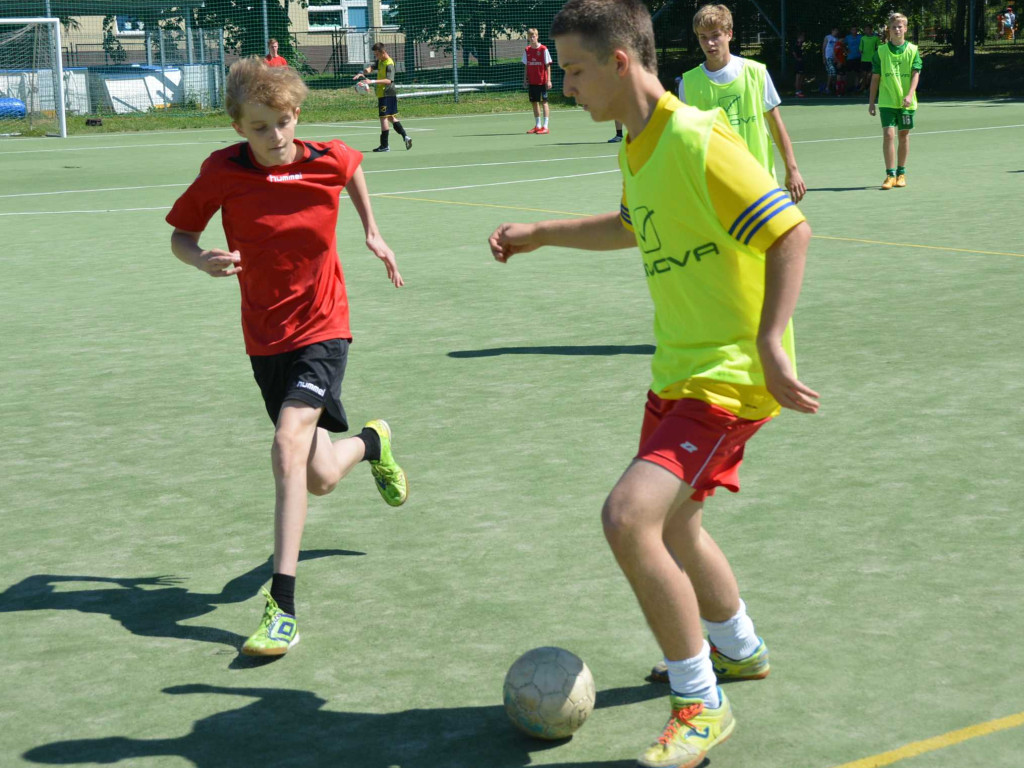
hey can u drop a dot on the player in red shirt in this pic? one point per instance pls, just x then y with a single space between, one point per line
279 199
537 79
272 59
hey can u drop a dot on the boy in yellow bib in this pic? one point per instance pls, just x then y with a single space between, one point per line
744 89
723 250
895 71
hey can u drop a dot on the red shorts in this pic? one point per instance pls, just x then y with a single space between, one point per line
700 443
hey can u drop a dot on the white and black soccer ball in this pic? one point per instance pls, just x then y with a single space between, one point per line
549 693
363 86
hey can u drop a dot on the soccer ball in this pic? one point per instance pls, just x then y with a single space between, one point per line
549 692
363 86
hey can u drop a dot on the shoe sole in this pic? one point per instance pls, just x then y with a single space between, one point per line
271 651
658 676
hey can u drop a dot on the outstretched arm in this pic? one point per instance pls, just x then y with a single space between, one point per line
794 181
783 275
594 233
356 189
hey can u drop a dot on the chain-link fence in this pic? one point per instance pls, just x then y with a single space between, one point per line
131 57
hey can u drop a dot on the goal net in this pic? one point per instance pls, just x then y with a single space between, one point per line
32 87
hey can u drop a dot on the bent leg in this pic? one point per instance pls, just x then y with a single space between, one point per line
330 461
634 517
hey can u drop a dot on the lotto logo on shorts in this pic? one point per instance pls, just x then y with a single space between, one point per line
688 447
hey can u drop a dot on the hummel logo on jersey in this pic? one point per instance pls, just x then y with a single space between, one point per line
284 176
661 266
311 387
688 446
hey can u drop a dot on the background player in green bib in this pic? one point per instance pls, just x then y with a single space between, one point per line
895 71
744 89
723 250
868 45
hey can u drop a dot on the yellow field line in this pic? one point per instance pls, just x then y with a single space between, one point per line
937 742
816 237
478 205
916 245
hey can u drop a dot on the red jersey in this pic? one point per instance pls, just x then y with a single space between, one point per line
537 61
276 61
283 222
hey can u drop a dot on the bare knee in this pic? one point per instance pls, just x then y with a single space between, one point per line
287 454
623 519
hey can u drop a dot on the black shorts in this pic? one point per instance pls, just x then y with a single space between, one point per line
538 92
387 105
865 66
311 375
799 65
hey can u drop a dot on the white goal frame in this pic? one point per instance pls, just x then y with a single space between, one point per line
59 94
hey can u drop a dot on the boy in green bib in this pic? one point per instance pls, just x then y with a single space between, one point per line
895 71
744 89
721 248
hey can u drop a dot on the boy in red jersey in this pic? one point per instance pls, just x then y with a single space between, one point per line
537 79
273 59
723 251
279 202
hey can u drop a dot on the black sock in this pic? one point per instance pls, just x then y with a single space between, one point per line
618 132
371 440
398 127
282 589
384 138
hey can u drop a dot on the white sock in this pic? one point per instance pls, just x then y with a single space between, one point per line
694 678
537 119
736 637
545 122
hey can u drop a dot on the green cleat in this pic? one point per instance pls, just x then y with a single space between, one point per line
389 477
754 667
278 631
691 731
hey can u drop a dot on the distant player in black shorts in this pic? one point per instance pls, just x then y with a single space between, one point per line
537 79
387 96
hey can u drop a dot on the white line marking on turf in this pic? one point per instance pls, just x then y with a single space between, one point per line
379 170
916 133
376 194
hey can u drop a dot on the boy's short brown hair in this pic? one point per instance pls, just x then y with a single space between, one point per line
250 80
532 31
712 16
896 15
378 47
610 24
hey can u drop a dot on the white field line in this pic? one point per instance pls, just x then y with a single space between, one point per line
376 194
367 173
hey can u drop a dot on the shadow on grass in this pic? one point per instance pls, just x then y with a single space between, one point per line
593 349
152 606
290 727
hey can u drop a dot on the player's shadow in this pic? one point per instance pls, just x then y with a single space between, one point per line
592 349
152 606
290 727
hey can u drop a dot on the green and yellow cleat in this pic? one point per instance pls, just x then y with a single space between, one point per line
691 731
754 667
389 477
889 183
278 631
901 180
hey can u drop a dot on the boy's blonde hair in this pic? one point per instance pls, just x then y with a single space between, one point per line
895 15
252 81
532 31
713 16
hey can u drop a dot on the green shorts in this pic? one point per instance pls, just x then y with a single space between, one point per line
901 119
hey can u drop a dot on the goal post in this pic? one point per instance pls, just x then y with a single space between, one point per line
32 85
